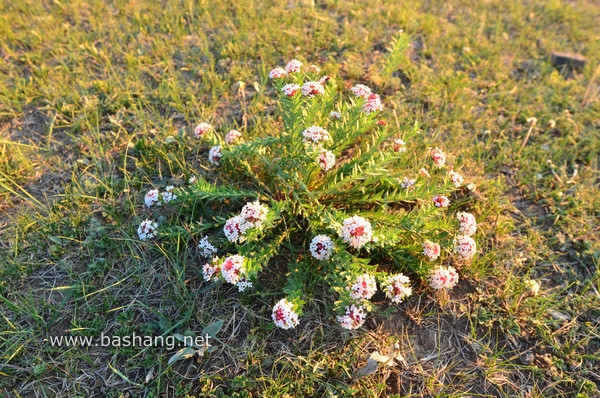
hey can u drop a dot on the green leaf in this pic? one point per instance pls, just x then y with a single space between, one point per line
184 353
212 329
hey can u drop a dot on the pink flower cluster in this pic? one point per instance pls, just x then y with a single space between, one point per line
397 287
438 156
232 136
362 91
293 66
356 231
153 197
441 201
465 246
284 315
363 288
399 145
321 247
310 89
253 215
277 73
468 224
354 317
202 129
408 184
373 104
443 278
233 268
211 270
431 250
290 90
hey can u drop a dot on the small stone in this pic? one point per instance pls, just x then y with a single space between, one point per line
568 60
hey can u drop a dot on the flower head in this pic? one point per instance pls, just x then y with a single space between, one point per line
232 136
315 135
324 80
254 214
235 228
373 104
147 229
408 184
431 250
284 315
293 66
399 145
363 288
168 194
465 246
151 198
313 69
335 115
233 268
277 73
438 157
356 231
211 270
397 287
443 278
214 155
354 317
244 284
310 89
202 129
441 201
456 178
326 160
321 247
290 90
362 91
424 173
208 250
468 224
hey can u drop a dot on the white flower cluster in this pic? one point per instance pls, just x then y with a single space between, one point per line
465 246
468 224
456 178
397 287
153 197
321 247
408 184
443 278
284 315
315 135
147 229
354 317
363 288
431 250
253 215
214 155
326 160
356 231
438 156
208 250
277 73
243 285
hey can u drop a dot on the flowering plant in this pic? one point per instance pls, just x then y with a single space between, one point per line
342 195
